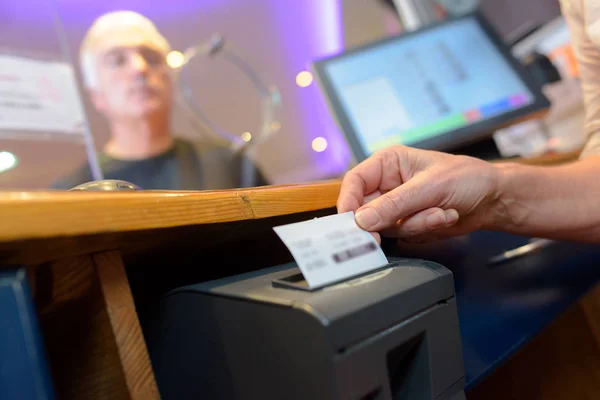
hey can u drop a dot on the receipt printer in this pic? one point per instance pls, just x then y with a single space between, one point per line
392 334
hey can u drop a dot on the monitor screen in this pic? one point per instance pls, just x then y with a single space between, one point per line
427 89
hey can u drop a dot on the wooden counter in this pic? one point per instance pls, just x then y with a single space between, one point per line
39 226
76 247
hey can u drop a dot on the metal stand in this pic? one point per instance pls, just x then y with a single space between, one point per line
268 94
415 14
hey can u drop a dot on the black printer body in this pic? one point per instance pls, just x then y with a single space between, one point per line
392 334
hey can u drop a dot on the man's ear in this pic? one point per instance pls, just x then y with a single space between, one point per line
98 100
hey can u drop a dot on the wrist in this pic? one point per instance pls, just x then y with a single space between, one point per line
504 211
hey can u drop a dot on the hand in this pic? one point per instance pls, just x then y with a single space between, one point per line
420 195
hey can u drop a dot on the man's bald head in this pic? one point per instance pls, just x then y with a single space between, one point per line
118 28
123 61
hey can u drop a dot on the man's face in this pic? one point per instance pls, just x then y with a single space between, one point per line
133 77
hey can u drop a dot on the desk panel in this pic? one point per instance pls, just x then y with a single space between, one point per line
503 307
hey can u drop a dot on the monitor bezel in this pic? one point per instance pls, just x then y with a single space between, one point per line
451 140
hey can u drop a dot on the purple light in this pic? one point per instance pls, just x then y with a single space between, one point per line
310 30
332 42
328 16
82 12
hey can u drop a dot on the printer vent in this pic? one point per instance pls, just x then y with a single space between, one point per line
409 371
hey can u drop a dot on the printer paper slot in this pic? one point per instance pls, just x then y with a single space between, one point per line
294 281
298 282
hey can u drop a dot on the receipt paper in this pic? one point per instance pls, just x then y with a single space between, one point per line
331 249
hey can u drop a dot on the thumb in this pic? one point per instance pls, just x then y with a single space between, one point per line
384 211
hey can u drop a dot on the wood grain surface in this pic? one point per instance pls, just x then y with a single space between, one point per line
31 215
45 215
130 343
80 343
37 227
93 337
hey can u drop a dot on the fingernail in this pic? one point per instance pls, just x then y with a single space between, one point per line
436 219
367 218
451 216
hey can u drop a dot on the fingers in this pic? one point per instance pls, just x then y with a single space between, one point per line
423 222
380 172
377 237
370 197
453 231
412 197
352 193
426 237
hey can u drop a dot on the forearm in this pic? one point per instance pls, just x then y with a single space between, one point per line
561 202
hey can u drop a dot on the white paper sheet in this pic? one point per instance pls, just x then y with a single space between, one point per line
39 96
331 249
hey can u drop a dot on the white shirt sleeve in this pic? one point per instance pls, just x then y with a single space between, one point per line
583 19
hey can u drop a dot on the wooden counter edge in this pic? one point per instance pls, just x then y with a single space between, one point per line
49 215
34 215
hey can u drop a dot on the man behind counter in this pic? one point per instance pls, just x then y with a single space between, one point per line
123 61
